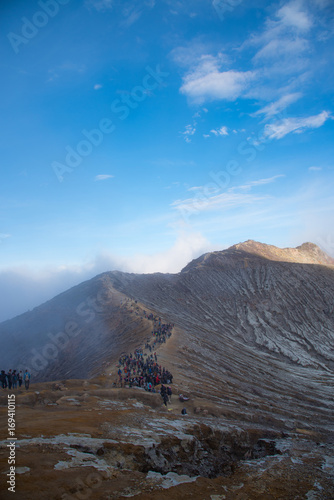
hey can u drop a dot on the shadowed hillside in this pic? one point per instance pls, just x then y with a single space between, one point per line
252 347
253 324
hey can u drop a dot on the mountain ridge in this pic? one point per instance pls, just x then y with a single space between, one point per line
252 346
231 309
306 253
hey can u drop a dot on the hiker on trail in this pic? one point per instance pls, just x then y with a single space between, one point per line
3 379
20 378
14 379
26 378
169 393
142 369
163 392
10 379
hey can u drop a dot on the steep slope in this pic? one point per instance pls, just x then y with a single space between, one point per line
252 347
73 335
253 336
257 334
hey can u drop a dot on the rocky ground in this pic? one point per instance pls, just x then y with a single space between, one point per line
252 347
80 439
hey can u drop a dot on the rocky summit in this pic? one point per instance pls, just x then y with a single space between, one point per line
245 339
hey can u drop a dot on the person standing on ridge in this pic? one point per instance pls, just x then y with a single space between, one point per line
10 379
14 379
20 378
26 378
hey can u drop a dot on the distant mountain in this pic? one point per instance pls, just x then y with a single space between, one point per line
254 328
307 253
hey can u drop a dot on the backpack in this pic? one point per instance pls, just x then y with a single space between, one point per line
26 377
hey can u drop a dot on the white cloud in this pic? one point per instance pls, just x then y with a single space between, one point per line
188 246
282 47
103 177
189 131
292 15
205 198
261 182
166 162
131 16
206 82
279 105
284 35
208 189
315 169
97 86
204 202
4 236
100 5
281 128
22 289
220 131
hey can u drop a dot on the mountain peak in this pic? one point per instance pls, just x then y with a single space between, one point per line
307 253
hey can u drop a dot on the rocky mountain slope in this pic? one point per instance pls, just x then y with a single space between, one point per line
253 319
252 346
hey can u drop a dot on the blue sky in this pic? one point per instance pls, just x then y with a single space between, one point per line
137 135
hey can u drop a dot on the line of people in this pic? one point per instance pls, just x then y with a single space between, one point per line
142 370
14 378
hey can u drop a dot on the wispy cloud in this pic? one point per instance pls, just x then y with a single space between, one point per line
283 52
131 15
200 203
285 34
207 82
208 189
219 131
4 236
261 182
279 105
206 199
103 177
166 162
132 11
281 128
293 15
315 169
100 5
189 131
97 86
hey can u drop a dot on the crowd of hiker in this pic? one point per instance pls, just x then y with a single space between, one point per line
142 370
14 379
161 331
